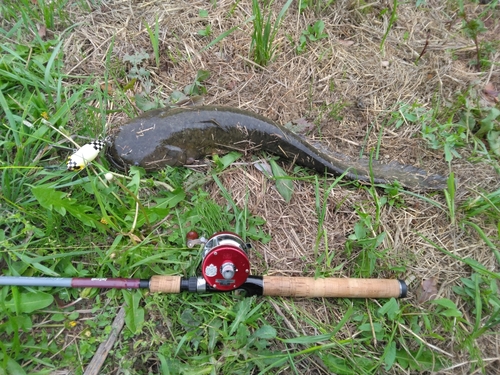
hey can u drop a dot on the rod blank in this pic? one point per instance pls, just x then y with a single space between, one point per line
259 285
62 282
75 282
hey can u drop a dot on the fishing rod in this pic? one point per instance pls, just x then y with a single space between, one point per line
225 267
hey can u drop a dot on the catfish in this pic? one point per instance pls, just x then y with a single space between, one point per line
180 136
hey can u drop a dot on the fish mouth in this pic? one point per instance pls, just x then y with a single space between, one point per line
118 164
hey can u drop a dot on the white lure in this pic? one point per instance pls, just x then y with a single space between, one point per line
84 155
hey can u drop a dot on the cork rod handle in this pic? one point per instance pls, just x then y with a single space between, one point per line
332 287
165 284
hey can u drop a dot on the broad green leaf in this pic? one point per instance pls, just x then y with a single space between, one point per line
494 141
49 198
444 302
177 96
337 365
367 327
242 308
450 308
227 159
57 317
40 267
173 199
135 182
16 323
359 231
213 334
144 103
390 308
12 367
242 336
284 184
169 366
136 58
451 313
265 332
189 319
202 75
389 355
422 360
308 339
488 123
29 302
134 315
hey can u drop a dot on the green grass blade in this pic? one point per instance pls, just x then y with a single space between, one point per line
485 238
225 34
10 118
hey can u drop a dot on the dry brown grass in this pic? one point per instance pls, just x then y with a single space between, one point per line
368 81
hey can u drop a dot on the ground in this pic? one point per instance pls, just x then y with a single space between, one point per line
350 88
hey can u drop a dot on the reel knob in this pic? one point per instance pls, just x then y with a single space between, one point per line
225 264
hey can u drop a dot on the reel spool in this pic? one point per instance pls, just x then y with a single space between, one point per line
225 264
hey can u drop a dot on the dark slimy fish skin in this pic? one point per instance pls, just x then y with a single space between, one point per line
178 136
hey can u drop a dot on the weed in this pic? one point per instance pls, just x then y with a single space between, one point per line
449 194
284 184
392 20
154 37
262 47
321 205
52 14
485 203
408 114
394 196
225 34
134 314
474 125
473 28
207 31
486 206
197 88
365 240
137 70
482 293
334 110
313 33
445 136
242 222
489 128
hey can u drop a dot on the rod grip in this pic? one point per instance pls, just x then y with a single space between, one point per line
165 284
333 287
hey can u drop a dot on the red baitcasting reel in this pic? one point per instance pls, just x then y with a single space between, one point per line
225 265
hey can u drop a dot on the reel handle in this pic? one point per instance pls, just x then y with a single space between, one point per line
333 287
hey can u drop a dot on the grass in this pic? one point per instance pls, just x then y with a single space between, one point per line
392 19
154 35
82 225
264 33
